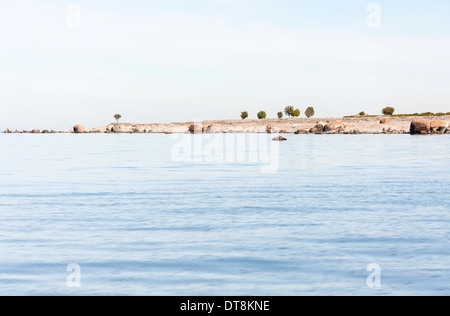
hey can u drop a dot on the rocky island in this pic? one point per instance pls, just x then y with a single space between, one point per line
344 125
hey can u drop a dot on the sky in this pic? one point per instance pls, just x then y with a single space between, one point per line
82 61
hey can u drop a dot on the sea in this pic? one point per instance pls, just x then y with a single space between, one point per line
225 214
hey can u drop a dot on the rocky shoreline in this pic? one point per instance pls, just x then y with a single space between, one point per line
353 125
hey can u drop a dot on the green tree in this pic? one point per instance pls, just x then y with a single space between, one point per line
289 111
117 117
244 115
262 115
388 110
296 113
309 112
280 115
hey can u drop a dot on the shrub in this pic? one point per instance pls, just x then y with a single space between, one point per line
262 115
362 113
117 117
289 111
244 115
296 113
388 110
309 112
280 115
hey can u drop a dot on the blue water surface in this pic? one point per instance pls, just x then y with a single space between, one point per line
138 221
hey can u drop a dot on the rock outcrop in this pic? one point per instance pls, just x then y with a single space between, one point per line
121 129
196 128
316 130
279 139
273 129
420 127
438 126
78 129
333 126
212 129
180 129
319 127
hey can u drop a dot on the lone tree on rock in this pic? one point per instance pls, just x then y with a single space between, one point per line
244 115
309 112
262 115
280 115
289 111
388 110
117 117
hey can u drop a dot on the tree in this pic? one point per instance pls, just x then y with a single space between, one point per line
309 112
280 115
289 111
262 115
244 115
388 110
117 117
296 113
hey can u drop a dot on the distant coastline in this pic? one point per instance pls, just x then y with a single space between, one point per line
342 125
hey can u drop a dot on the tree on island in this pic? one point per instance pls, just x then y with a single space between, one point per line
244 115
262 115
289 111
280 115
296 113
388 111
117 117
309 112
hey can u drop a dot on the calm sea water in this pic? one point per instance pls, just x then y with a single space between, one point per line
138 221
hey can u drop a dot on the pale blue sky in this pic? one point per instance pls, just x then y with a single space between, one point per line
175 60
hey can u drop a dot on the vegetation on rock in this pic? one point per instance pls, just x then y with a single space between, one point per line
262 115
309 112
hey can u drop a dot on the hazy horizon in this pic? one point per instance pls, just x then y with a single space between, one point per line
172 61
